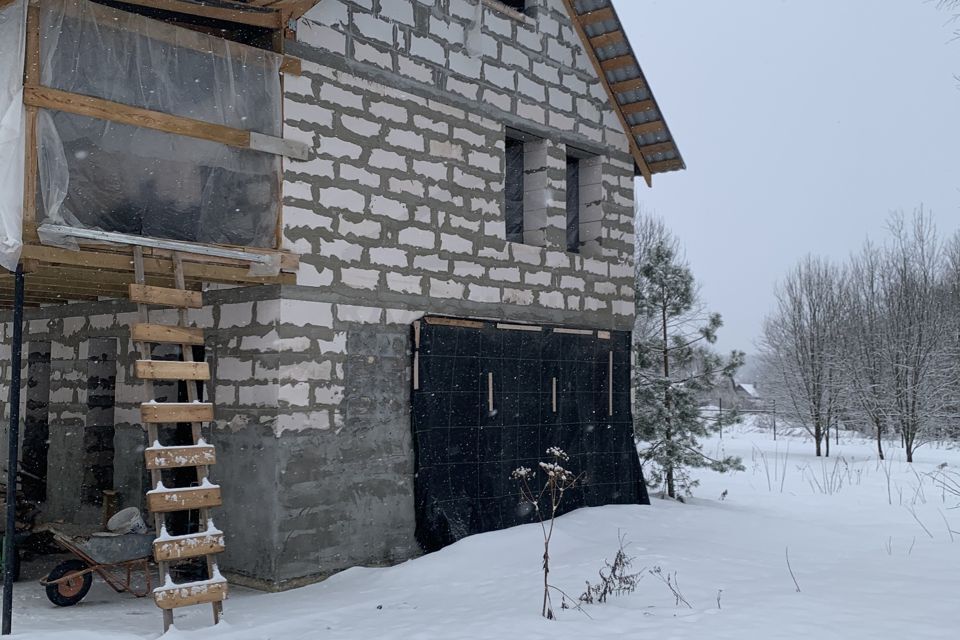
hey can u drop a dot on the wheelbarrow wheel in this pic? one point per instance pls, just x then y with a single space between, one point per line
70 591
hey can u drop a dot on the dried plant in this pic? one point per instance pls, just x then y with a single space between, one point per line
558 481
615 577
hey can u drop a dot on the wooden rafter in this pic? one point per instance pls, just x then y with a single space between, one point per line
578 23
612 34
237 12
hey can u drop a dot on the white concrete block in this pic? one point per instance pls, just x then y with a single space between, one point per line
306 313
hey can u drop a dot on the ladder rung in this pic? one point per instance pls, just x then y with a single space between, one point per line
190 593
169 412
183 499
163 334
178 457
192 545
171 370
163 297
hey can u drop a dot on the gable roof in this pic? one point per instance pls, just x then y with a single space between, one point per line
606 44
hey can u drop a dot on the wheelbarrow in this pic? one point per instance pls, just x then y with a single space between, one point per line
116 558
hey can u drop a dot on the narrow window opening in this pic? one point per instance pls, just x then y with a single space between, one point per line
513 189
573 204
36 432
98 436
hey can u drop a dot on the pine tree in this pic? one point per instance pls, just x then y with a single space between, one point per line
674 365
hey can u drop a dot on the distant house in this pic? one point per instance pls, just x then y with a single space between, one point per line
747 394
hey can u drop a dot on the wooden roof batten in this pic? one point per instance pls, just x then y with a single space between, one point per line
651 143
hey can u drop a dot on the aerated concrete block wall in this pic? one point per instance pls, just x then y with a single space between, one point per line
397 212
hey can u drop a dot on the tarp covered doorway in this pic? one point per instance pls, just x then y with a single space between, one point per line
490 397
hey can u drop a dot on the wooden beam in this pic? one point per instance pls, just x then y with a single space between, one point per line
658 147
163 297
619 62
648 127
607 39
183 499
31 75
637 107
189 594
226 11
628 85
163 334
578 23
666 165
592 17
454 322
46 98
192 545
171 412
171 370
179 457
119 259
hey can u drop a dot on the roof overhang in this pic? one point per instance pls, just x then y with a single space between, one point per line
606 44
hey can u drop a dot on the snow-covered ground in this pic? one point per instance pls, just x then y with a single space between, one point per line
866 565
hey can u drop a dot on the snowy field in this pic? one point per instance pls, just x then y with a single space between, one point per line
873 559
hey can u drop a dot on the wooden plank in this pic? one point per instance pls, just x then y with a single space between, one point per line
170 412
653 126
638 107
193 545
163 334
454 322
31 74
46 98
518 327
600 15
162 297
658 147
167 370
607 39
673 164
184 499
189 594
628 85
227 11
179 457
120 260
619 62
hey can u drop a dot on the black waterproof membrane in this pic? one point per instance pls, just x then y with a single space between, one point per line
465 452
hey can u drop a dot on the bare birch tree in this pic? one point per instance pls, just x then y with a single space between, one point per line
800 347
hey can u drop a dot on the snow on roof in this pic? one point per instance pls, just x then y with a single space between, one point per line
749 389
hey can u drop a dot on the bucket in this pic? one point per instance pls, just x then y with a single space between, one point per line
127 521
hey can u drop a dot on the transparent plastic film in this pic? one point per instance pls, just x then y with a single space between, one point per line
99 174
13 30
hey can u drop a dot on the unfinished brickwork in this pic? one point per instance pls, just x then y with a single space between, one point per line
397 212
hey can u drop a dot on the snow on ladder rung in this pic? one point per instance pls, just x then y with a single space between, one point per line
164 500
193 545
174 596
197 455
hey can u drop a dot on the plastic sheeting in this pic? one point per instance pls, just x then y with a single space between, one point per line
114 177
513 189
465 453
13 31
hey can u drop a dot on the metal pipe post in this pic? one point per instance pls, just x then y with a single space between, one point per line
13 444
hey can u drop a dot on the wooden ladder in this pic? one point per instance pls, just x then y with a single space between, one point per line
168 550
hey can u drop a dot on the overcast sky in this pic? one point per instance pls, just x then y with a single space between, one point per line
803 123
